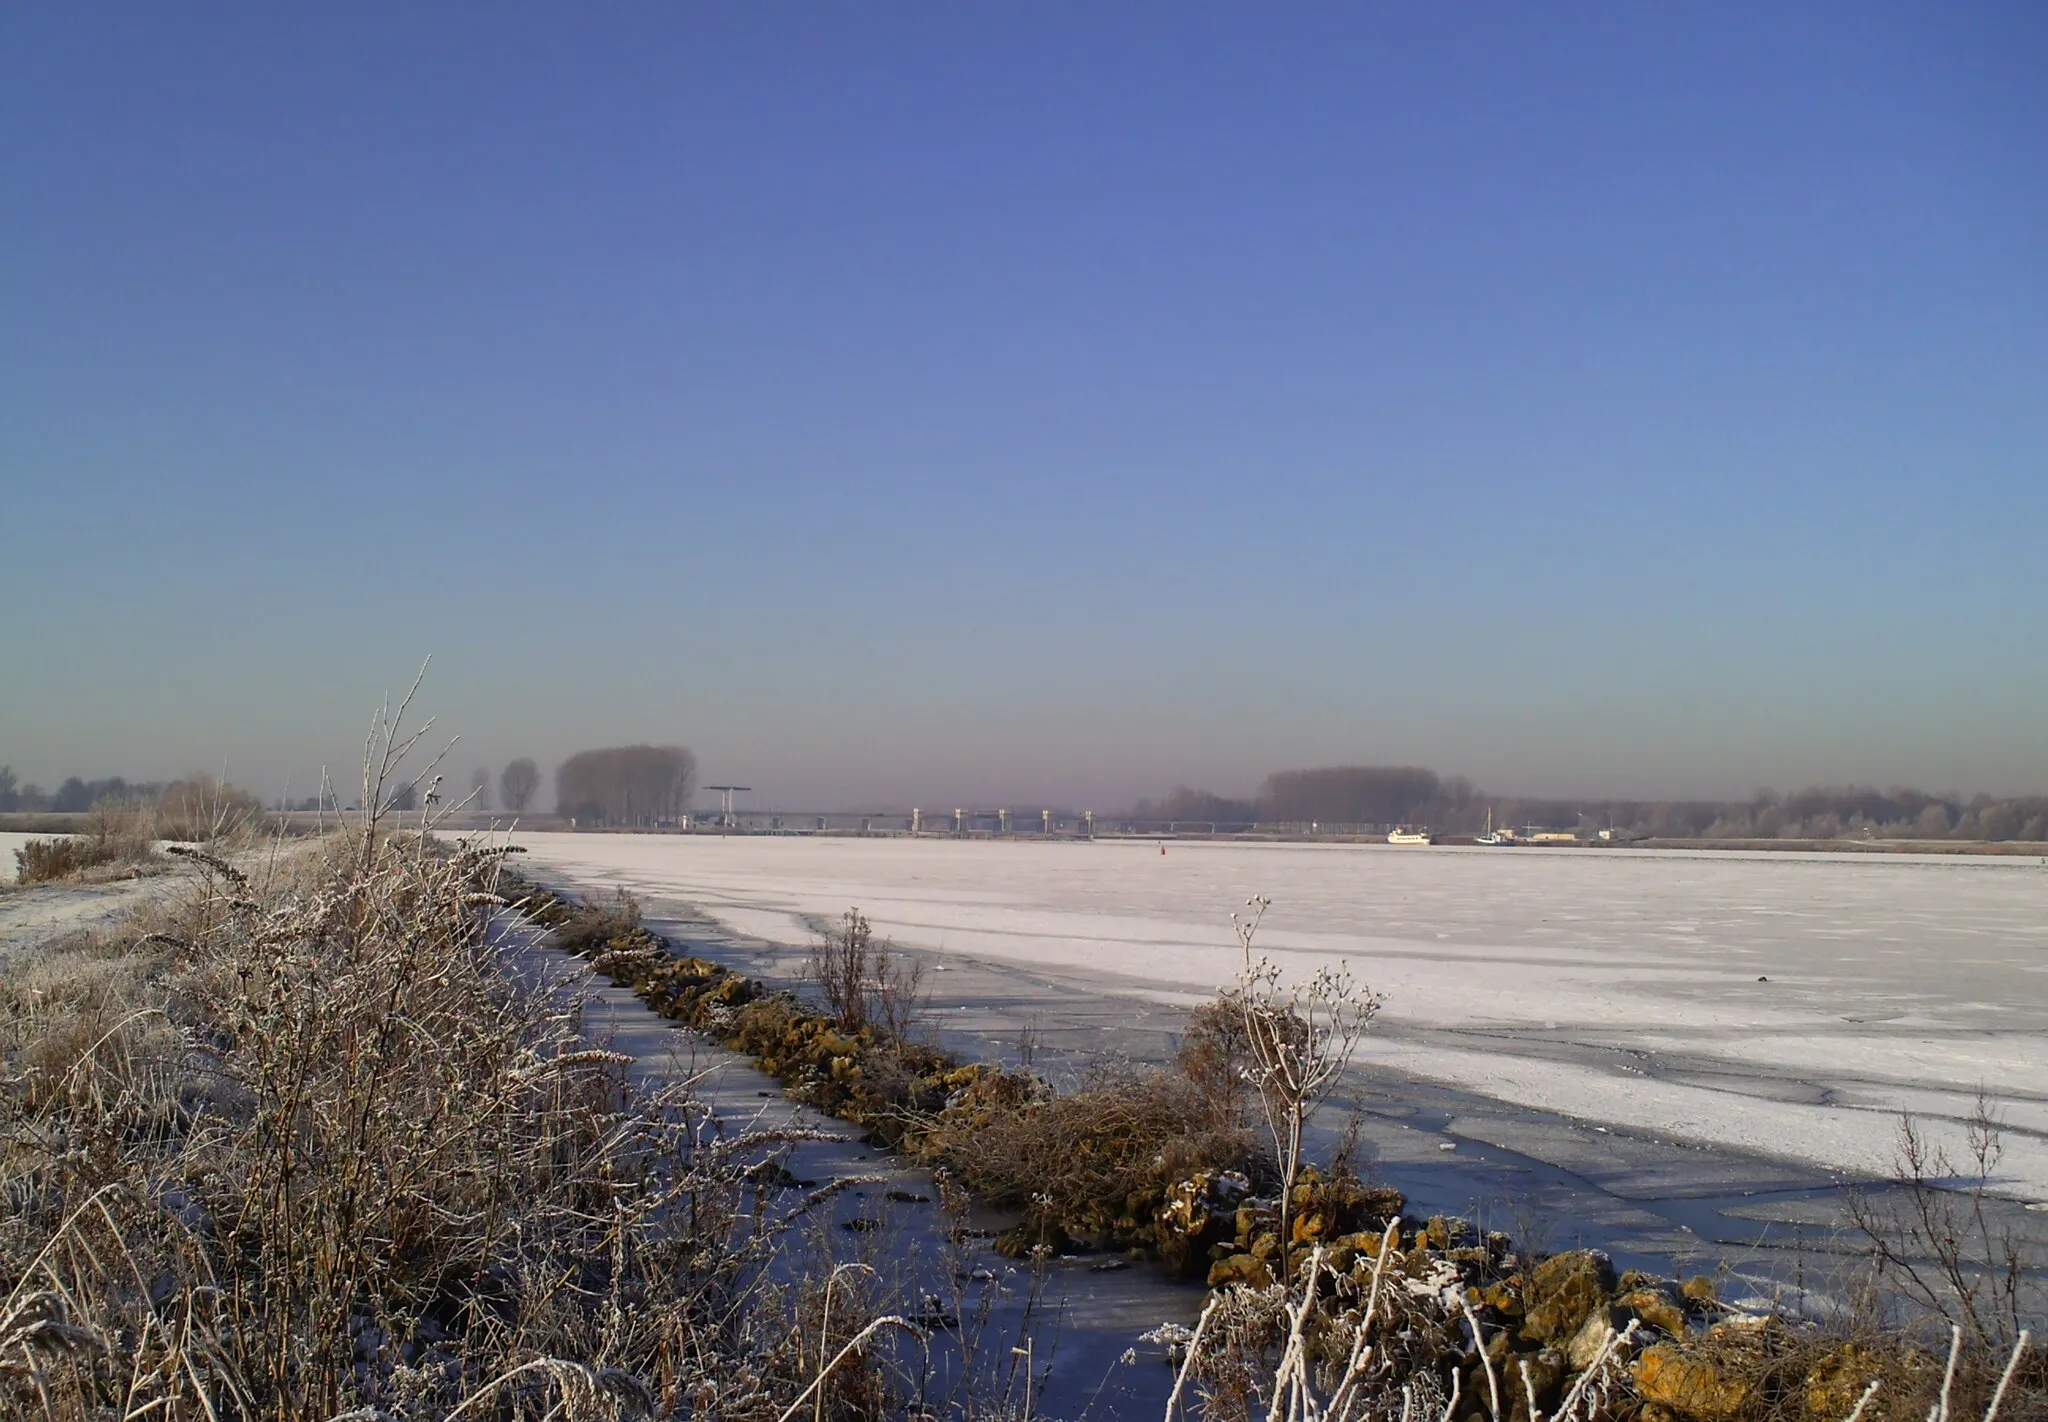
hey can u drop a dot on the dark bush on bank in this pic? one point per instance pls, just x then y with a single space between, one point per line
112 838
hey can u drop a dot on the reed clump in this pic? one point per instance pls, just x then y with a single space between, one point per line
121 838
116 840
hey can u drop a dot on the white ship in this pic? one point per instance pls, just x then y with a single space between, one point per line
1408 836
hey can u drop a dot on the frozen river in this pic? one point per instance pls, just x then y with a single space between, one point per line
1785 1006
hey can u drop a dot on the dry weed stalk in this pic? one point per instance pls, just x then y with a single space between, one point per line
1940 1247
1355 1348
1942 1409
1299 1041
864 984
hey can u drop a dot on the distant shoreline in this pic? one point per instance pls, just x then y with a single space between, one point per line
53 822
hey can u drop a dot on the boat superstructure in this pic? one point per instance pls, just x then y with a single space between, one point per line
1504 835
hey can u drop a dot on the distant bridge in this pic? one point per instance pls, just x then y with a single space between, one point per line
964 822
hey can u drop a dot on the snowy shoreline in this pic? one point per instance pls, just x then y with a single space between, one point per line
1790 1006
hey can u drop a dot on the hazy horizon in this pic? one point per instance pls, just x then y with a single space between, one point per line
1114 793
938 406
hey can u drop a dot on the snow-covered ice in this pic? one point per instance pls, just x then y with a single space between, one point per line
1792 1005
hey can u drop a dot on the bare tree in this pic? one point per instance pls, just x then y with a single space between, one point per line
480 788
626 785
517 782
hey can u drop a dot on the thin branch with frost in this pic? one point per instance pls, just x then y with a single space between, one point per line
2019 1351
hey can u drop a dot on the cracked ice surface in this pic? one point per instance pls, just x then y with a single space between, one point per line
1613 986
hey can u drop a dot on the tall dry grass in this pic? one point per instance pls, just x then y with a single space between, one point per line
114 839
307 1151
120 838
300 1148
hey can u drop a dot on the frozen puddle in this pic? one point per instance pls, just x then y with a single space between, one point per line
1586 1028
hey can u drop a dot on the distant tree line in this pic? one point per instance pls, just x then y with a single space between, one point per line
1363 794
620 785
1830 812
181 809
617 785
1379 796
75 795
1332 795
626 785
1182 803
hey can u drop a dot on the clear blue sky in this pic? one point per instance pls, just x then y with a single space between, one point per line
933 402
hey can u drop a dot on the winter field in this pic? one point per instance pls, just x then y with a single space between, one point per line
1786 1005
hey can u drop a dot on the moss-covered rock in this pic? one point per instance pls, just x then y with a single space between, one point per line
1542 1372
1198 1212
1324 1207
1657 1303
1503 1296
1691 1384
1034 1237
1589 1338
1562 1291
1245 1269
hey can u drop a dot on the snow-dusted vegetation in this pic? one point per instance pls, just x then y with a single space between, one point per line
9 842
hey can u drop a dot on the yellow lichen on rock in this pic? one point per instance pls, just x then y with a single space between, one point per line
1245 1269
1562 1291
1690 1385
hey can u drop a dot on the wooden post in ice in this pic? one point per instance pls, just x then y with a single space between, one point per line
916 820
959 820
1002 821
